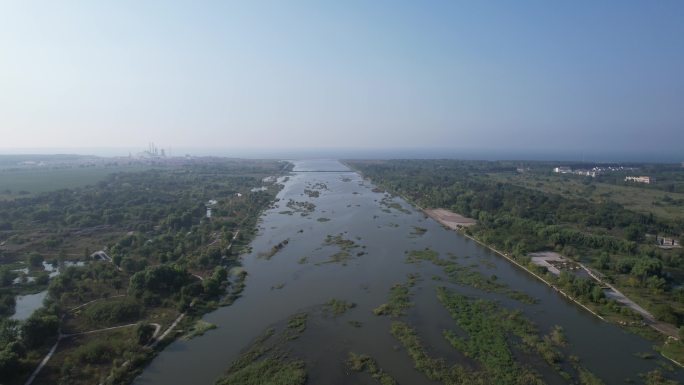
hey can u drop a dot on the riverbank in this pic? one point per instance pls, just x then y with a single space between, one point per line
668 333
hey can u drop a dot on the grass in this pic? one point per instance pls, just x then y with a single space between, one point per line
312 193
467 275
400 299
304 208
38 180
494 334
197 329
673 350
80 359
363 362
296 325
632 198
236 288
274 250
265 362
345 246
356 324
435 369
270 371
337 307
417 230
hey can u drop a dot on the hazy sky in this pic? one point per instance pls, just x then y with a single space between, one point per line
578 75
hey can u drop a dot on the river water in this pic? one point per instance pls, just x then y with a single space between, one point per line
286 283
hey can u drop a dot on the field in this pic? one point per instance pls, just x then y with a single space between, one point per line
15 183
659 203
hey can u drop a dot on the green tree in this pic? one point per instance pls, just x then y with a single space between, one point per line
39 328
34 259
144 332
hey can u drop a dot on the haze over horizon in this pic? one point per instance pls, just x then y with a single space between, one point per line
514 77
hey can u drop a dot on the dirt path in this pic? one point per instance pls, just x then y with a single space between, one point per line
169 330
43 362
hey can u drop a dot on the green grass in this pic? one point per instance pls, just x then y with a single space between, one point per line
38 180
494 335
488 328
267 372
633 198
467 275
363 362
345 247
400 299
435 369
337 307
197 329
417 230
673 350
274 250
266 362
296 325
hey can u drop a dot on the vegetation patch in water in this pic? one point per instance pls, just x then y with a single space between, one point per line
337 307
304 208
435 369
345 245
198 329
417 230
296 325
356 324
400 298
364 363
493 333
267 362
236 288
389 204
274 250
312 193
467 275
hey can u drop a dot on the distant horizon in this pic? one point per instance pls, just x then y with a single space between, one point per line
367 153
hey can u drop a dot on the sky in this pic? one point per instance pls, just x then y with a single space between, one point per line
575 76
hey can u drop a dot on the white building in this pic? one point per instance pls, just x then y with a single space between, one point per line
639 179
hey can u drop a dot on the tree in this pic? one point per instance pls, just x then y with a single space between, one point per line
646 267
634 233
666 313
597 294
34 259
144 332
38 328
6 277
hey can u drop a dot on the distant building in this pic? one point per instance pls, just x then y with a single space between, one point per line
640 179
562 170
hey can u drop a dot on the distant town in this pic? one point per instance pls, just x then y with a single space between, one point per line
595 171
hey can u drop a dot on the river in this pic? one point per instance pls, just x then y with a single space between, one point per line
287 283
